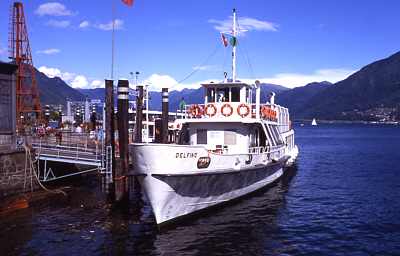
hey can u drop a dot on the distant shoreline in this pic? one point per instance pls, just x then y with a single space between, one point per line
308 121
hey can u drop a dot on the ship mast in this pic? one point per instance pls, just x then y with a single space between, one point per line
234 34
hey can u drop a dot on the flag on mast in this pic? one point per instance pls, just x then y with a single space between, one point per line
224 40
128 2
233 41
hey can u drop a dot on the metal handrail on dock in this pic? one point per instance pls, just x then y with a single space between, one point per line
90 153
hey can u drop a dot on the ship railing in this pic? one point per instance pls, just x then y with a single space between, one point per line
68 146
228 110
274 151
64 138
68 152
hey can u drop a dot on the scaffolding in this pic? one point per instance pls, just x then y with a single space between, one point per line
28 110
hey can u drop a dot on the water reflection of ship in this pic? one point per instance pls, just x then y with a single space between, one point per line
218 230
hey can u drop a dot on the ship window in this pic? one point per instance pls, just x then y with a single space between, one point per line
270 135
210 94
201 136
223 94
230 137
215 136
184 136
235 94
252 138
275 133
262 138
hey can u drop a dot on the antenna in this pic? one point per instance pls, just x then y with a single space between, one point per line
234 42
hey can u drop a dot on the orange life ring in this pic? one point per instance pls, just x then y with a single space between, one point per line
265 111
196 110
212 108
246 110
230 109
262 111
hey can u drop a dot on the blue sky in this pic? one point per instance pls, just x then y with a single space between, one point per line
289 42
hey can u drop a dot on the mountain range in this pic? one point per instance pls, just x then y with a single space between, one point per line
55 91
375 85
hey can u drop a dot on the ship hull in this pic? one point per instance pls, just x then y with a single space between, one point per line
174 194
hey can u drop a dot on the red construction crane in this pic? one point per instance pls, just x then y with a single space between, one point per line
28 108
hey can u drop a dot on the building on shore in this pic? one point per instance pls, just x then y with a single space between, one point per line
7 105
14 174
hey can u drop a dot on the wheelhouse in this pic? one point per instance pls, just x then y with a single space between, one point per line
230 122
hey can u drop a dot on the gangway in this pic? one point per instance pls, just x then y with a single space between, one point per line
93 155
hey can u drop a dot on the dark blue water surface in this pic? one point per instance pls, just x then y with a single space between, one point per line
343 198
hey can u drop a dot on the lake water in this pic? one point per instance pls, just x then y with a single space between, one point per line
343 198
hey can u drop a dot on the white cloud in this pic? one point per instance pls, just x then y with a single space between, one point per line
67 77
97 84
118 24
84 24
72 79
58 23
292 80
157 82
53 9
50 72
55 72
80 81
245 24
49 51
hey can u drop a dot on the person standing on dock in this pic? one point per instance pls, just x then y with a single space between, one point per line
59 137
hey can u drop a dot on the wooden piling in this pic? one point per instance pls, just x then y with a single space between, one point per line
109 121
164 117
139 114
121 185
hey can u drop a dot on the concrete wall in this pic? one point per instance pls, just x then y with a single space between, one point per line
7 99
13 179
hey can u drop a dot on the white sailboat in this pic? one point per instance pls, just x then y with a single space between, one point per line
225 148
314 122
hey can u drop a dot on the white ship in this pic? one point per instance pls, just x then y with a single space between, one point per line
225 148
